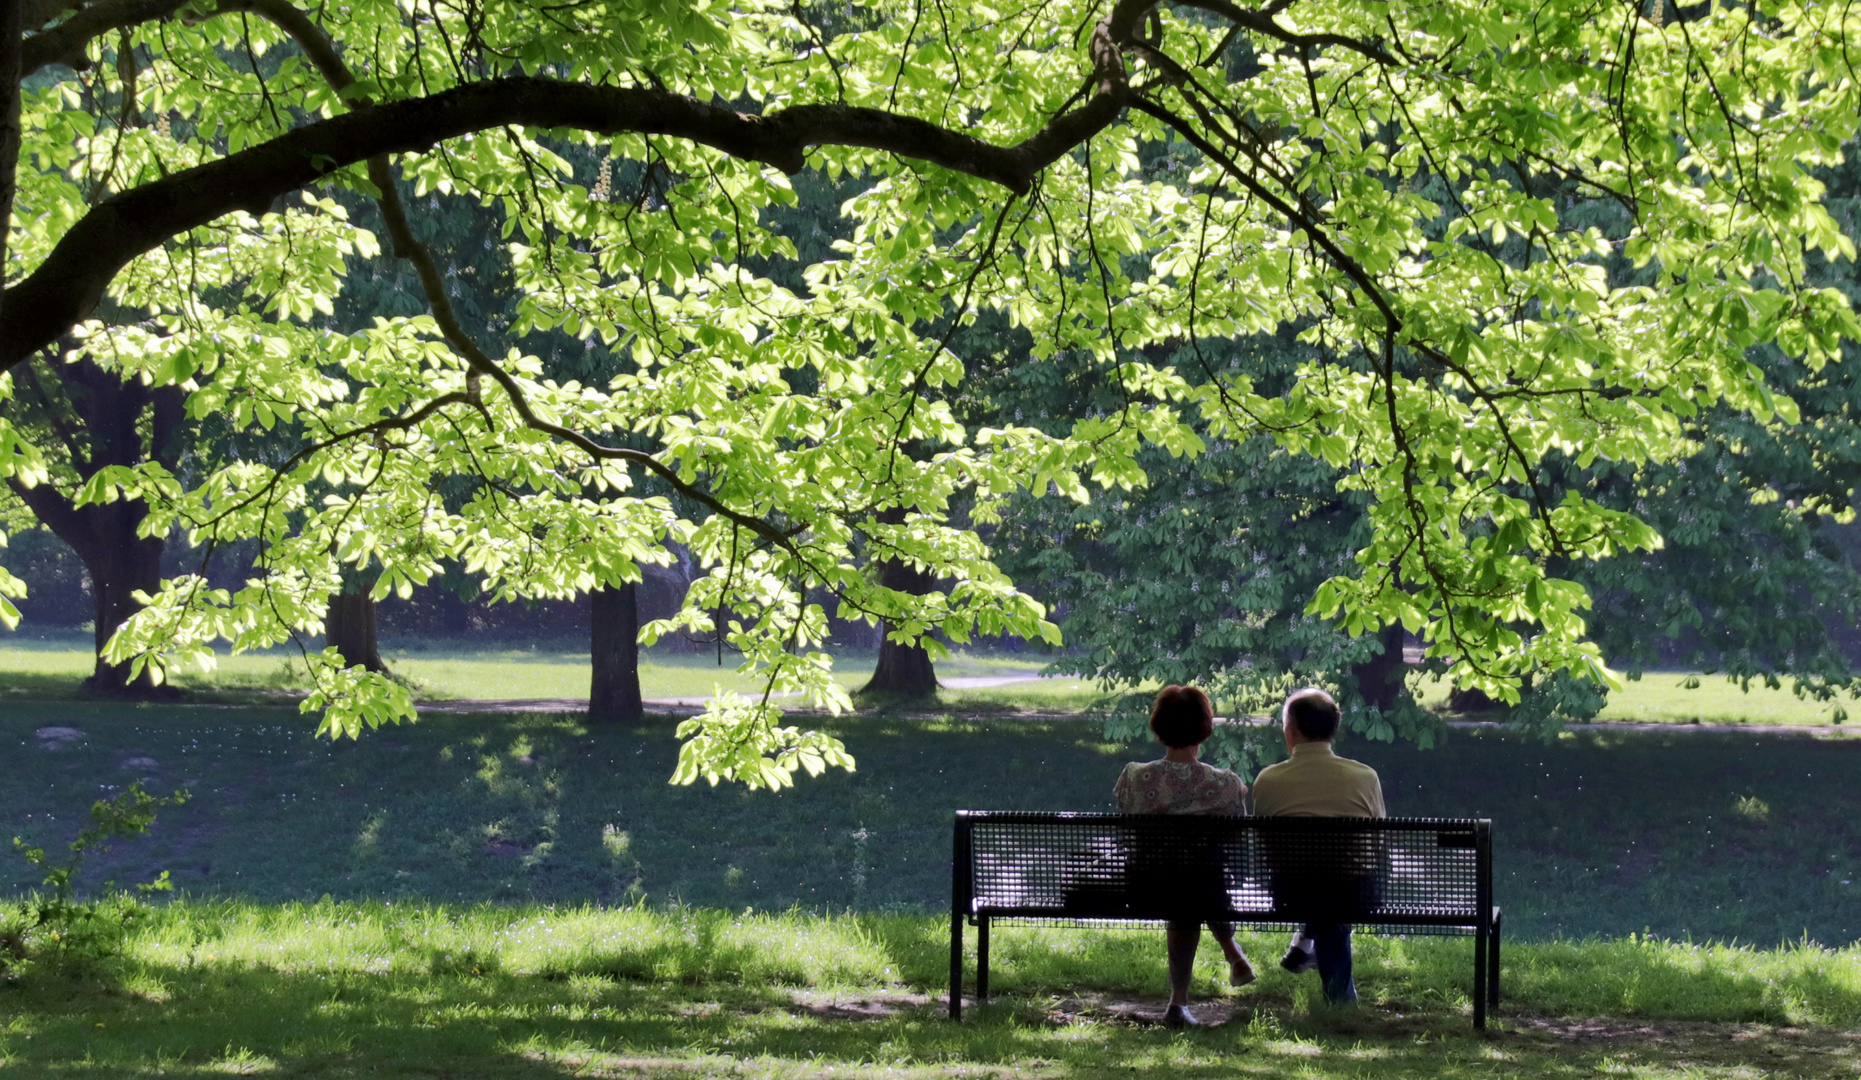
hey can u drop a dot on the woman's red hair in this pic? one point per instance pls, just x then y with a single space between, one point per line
1182 716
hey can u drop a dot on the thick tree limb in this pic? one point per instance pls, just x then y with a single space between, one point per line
71 281
64 43
304 31
322 52
37 13
52 510
56 415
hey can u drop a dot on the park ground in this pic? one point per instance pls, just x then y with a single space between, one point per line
444 673
522 895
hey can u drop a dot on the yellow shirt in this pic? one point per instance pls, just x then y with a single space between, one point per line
1315 782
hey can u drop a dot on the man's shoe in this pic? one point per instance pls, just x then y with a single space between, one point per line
1177 1016
1240 972
1299 961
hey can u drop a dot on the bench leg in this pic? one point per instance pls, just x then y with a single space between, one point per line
982 959
956 965
1480 954
1492 971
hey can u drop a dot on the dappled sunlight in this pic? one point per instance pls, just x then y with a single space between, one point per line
1637 977
534 808
1633 977
400 1021
410 986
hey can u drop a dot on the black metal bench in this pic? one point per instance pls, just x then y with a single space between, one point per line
1400 875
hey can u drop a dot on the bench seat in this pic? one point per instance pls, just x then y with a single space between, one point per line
1383 875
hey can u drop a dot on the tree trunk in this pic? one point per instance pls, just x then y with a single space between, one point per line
120 564
1380 678
1466 700
99 418
350 627
614 651
903 671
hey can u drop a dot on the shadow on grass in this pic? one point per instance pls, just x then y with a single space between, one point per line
25 687
1632 978
213 1019
36 686
379 990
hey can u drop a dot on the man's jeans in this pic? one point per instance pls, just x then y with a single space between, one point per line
1332 944
1325 902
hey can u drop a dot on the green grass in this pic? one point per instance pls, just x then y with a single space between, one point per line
53 667
52 670
1664 697
1718 836
371 990
524 674
522 896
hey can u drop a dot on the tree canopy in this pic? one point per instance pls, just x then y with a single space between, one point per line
1425 192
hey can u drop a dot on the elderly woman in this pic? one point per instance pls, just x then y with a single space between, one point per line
1182 720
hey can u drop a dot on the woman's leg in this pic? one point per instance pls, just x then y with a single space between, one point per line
1223 933
1182 937
1240 971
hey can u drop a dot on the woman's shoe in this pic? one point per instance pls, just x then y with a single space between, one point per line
1179 1016
1240 972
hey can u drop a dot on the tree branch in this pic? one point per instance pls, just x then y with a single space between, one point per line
322 52
56 512
64 43
69 284
1261 22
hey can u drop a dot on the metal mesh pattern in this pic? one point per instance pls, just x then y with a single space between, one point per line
1412 873
1394 930
1406 875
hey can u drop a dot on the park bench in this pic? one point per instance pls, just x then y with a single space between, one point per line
1385 875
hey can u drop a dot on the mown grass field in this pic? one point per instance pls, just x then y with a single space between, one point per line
1717 836
373 990
449 671
52 668
1666 697
522 895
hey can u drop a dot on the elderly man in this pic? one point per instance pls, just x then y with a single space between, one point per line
1314 782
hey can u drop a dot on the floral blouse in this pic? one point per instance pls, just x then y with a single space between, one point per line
1177 787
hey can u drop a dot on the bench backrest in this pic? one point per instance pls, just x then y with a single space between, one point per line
1417 871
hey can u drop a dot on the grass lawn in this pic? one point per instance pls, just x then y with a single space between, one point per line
1718 836
372 990
1663 697
448 671
523 896
51 668
446 674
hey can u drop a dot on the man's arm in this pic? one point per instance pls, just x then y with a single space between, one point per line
1265 793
